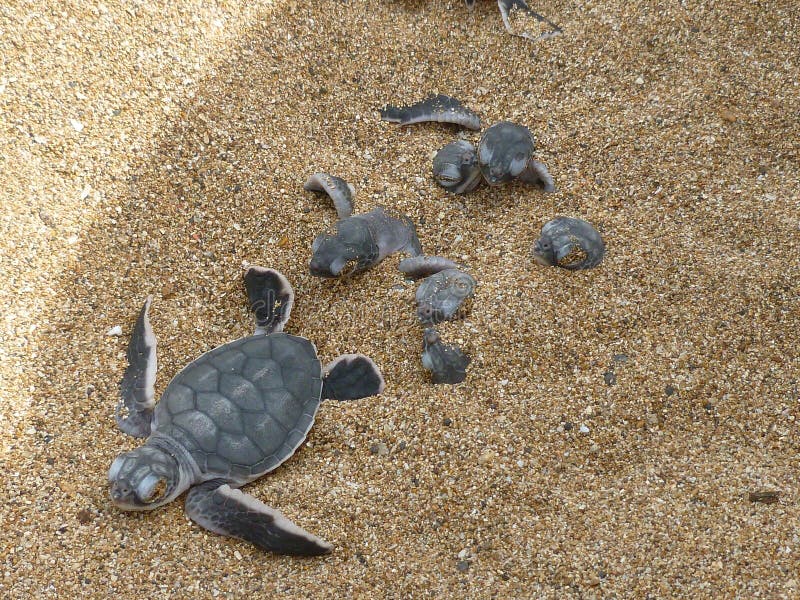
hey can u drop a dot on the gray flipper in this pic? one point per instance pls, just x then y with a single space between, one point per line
271 298
350 377
227 511
447 363
536 174
136 390
440 108
341 192
506 6
417 267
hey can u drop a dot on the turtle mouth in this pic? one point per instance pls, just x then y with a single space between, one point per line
151 489
149 494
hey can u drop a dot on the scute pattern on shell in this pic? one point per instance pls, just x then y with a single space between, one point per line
244 407
441 295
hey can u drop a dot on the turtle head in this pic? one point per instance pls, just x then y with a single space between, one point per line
543 252
504 152
144 479
333 257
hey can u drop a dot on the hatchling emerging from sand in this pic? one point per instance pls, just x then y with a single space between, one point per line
504 153
229 417
444 290
356 243
569 243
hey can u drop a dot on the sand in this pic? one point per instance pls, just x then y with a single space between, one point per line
614 421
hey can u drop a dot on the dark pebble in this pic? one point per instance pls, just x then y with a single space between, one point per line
84 516
462 566
609 377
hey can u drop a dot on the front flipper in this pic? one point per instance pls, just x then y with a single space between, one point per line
417 267
447 363
136 390
271 297
440 108
536 174
227 511
350 377
341 192
509 6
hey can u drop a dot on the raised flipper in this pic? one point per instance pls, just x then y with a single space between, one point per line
417 267
447 363
271 298
507 7
228 511
341 192
350 377
136 390
439 108
536 174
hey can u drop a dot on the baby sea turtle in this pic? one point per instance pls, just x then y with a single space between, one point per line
569 243
358 242
505 153
508 8
229 417
447 363
439 108
444 289
455 167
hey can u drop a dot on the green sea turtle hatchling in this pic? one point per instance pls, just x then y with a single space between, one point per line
510 8
229 417
444 288
569 243
439 108
447 363
505 152
359 242
455 167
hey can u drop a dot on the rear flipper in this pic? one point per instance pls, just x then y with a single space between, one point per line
271 297
136 390
227 511
417 267
350 377
536 174
341 192
507 7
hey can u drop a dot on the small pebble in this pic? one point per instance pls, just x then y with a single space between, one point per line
116 330
462 566
583 429
379 448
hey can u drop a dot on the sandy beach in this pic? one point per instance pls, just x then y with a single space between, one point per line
617 425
